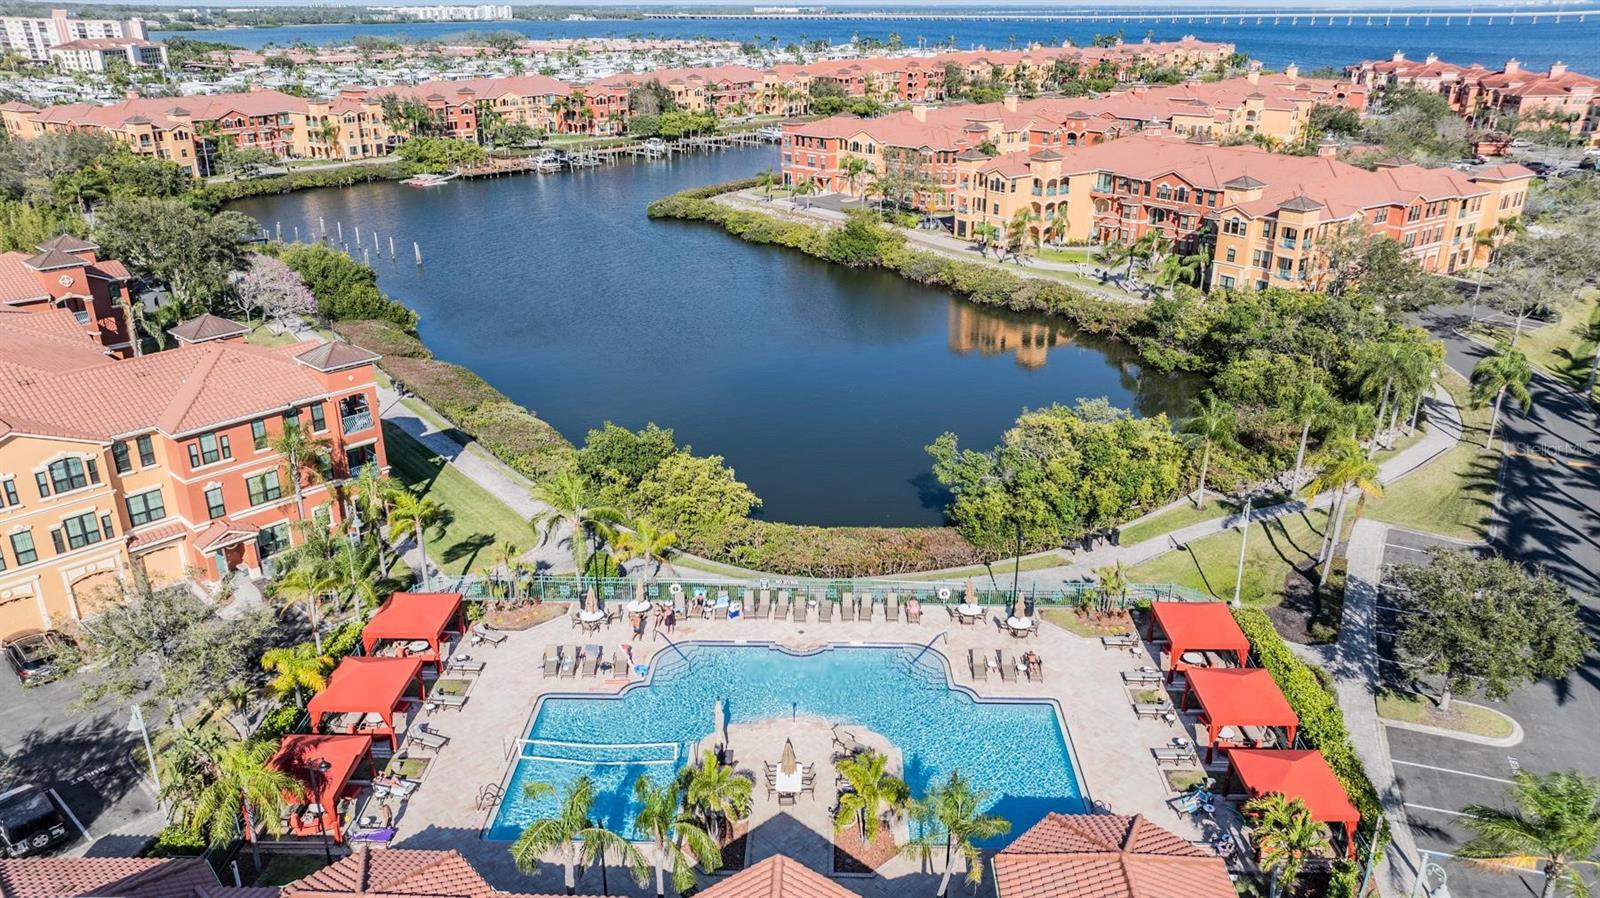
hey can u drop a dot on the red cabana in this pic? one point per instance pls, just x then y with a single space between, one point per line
1196 627
409 617
1297 774
1238 697
366 693
347 757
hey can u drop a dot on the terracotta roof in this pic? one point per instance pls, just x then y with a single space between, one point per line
225 533
777 877
18 282
114 877
1107 856
396 873
336 355
207 327
52 259
68 244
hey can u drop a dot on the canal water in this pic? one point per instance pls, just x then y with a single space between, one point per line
820 385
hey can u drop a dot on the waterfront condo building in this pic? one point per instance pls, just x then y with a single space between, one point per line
1263 217
32 37
161 465
96 54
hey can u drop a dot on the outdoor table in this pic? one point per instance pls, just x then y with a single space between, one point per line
1196 658
789 783
417 645
591 617
966 610
1019 625
639 606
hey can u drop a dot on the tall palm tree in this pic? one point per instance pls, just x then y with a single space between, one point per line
984 234
305 459
561 832
1113 584
715 794
645 541
355 573
679 839
803 188
1285 837
1020 238
1309 404
572 502
305 583
874 793
1210 423
1347 465
371 493
240 787
600 843
298 667
1556 822
1507 371
418 514
853 167
951 818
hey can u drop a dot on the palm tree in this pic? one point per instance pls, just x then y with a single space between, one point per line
418 513
1285 836
984 234
874 794
1556 822
645 541
305 457
803 188
355 573
572 502
1507 371
1113 583
765 180
1020 237
1210 422
680 841
562 833
298 667
715 794
1058 227
853 167
305 584
954 807
371 493
600 843
1347 466
240 783
1309 404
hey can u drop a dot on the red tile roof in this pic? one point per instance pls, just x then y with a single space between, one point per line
777 877
397 873
114 877
1107 856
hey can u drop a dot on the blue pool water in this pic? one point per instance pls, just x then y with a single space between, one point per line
1016 751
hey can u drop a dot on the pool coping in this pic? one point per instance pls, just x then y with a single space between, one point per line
924 648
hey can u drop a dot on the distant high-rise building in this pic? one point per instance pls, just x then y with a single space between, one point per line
33 38
487 12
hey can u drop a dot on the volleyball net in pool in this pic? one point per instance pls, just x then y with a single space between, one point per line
594 754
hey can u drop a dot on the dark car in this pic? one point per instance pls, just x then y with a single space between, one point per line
33 657
30 822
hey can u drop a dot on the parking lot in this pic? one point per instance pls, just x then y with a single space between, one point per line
1437 776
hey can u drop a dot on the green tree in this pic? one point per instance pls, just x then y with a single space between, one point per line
1486 624
1506 371
564 832
238 785
407 510
1286 836
715 794
643 540
571 503
306 583
343 287
694 496
1021 240
1347 465
984 234
1555 822
952 819
1211 422
297 667
853 167
306 459
874 792
679 840
188 249
440 154
1308 404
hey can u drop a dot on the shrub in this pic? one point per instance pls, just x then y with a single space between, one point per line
343 641
214 195
344 288
176 841
278 723
804 551
1321 722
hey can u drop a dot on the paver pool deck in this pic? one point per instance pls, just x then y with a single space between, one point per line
1113 747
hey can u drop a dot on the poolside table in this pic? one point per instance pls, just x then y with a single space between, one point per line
789 783
969 612
1020 626
639 606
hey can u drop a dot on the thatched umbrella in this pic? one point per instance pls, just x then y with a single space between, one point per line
1021 609
590 603
787 763
638 590
971 597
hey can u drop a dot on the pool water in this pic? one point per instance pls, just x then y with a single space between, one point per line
1015 750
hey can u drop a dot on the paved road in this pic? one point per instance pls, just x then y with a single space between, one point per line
1548 514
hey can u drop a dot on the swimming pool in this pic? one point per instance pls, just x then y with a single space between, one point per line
1016 750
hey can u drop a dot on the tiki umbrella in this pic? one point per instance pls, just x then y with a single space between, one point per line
971 598
1021 610
638 590
590 603
788 764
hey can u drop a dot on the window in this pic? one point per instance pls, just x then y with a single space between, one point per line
291 418
22 547
81 530
119 457
273 540
319 418
67 474
105 526
354 413
1234 226
258 433
209 449
214 504
145 507
264 487
147 451
1231 254
8 489
1227 282
358 457
43 482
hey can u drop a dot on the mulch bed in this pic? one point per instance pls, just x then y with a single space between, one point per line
735 850
1304 615
852 855
523 617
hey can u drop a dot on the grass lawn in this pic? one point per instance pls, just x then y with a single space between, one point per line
1466 718
1273 550
1175 519
263 336
1565 348
1451 495
428 415
283 869
478 520
410 768
1065 255
999 569
450 687
1088 628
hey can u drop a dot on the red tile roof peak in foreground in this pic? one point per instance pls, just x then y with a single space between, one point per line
1107 856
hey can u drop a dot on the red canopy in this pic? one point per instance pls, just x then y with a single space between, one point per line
416 616
296 756
1298 774
1238 697
368 686
1197 627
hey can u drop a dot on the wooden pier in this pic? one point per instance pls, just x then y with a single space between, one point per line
615 152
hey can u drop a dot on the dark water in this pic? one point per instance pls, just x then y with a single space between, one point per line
1536 44
820 385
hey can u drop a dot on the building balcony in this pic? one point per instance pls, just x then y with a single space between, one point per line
356 423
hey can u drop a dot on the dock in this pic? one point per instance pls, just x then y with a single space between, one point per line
591 156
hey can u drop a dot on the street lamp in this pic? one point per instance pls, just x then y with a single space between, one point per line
319 779
1244 538
136 725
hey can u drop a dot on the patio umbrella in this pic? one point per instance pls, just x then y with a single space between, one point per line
638 590
590 603
787 763
1022 607
719 723
971 598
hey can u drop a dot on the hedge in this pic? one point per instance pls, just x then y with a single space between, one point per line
795 550
977 282
1321 722
220 192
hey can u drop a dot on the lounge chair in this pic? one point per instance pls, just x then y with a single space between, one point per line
569 661
590 665
552 660
1119 642
847 609
802 611
764 603
719 612
752 605
1142 677
978 664
825 611
1174 755
619 665
913 611
1153 710
486 633
1008 666
448 701
464 665
385 786
891 608
428 738
780 608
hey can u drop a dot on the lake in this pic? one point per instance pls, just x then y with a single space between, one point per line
819 384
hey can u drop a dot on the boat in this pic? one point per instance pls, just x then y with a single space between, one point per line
583 160
770 132
547 161
655 146
429 180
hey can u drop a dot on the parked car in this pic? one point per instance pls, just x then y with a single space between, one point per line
30 822
32 656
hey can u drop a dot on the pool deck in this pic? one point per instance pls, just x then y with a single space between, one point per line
1112 747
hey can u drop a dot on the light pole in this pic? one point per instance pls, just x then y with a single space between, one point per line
1244 538
319 779
136 725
